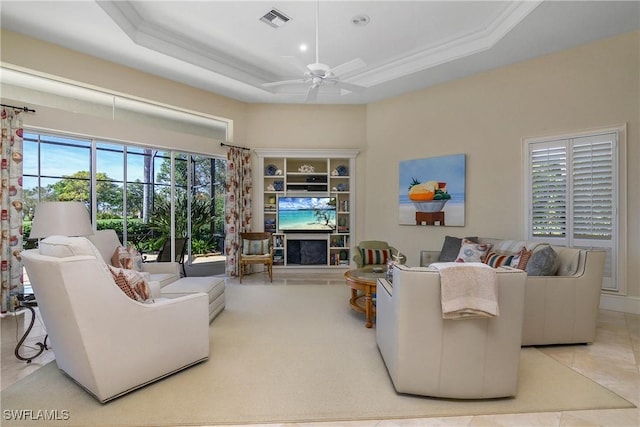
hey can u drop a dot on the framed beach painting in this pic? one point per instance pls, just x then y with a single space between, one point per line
432 191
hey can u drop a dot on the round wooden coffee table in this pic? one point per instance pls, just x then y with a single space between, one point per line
363 280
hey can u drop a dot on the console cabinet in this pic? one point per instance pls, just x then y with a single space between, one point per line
307 173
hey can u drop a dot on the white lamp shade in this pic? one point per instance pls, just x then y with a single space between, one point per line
60 219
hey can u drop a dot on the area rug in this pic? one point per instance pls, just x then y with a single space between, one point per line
291 354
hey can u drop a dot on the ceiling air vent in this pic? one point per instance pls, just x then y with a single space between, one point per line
275 18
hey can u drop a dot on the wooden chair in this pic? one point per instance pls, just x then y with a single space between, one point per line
256 248
181 248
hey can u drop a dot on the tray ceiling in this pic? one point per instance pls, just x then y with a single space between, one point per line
401 46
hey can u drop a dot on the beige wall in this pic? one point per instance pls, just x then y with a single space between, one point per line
486 117
34 55
312 126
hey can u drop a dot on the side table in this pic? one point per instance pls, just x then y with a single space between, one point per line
43 346
363 280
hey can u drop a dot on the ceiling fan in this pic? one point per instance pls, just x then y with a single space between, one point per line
318 74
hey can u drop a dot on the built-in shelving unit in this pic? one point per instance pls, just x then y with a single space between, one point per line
308 173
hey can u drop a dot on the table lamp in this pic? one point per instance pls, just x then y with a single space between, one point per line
60 219
53 219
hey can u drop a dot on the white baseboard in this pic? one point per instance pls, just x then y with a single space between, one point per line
625 304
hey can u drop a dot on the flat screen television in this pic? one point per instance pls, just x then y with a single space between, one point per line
307 214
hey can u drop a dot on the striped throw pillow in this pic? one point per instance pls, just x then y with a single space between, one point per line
496 260
375 256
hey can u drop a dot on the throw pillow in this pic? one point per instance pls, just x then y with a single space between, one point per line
521 259
496 260
543 262
128 258
451 248
255 247
472 252
132 283
375 256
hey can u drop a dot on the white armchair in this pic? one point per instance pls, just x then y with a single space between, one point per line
105 341
461 359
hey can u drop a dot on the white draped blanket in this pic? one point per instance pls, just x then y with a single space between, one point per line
468 290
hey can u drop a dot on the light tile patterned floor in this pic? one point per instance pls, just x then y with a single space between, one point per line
611 361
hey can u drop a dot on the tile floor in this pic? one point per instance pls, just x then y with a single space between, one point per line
611 361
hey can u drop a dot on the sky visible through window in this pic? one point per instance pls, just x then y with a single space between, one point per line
74 156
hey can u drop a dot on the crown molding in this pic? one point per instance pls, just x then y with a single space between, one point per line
161 39
450 49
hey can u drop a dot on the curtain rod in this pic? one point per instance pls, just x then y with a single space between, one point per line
222 144
25 109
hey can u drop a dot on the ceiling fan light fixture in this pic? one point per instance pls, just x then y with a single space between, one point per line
319 69
318 74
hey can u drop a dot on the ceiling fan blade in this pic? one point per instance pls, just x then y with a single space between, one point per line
348 86
312 93
284 82
348 67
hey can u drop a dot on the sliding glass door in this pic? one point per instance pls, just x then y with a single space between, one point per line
147 195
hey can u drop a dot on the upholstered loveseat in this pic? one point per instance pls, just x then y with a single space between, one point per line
164 277
561 308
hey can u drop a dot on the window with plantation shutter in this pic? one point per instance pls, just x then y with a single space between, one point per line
592 189
572 195
549 191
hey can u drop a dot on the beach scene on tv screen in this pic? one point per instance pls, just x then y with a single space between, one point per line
307 213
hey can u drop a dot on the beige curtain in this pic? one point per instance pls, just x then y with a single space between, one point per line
237 204
11 207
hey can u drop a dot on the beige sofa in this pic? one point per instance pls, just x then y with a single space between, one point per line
462 359
560 309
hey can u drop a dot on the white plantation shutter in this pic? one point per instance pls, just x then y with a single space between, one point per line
572 189
549 191
592 189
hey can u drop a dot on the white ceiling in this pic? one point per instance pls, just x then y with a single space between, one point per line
223 47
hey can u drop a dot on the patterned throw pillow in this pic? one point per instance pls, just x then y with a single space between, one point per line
496 260
255 247
132 283
521 259
375 256
472 252
451 248
128 258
